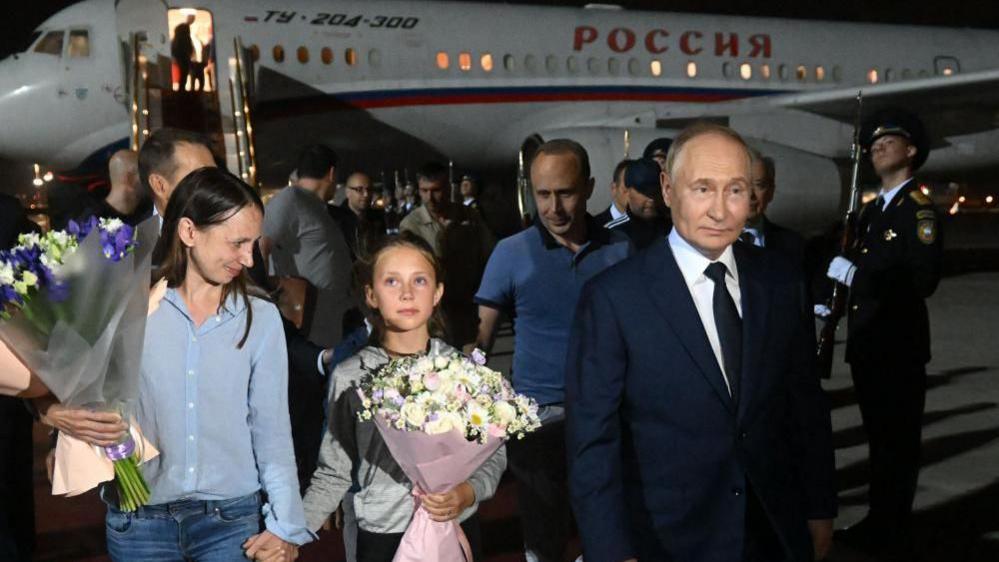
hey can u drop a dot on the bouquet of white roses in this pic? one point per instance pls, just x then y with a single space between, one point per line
72 311
440 393
441 416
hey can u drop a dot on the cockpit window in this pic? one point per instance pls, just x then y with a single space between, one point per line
79 43
51 44
31 41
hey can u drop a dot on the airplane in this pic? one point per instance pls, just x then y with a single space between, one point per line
390 84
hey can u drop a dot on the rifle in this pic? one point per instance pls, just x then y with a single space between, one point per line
838 300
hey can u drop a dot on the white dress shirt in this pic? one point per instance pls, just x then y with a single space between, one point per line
692 265
616 213
891 193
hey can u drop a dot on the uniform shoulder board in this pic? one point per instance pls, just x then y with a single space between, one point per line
918 197
925 214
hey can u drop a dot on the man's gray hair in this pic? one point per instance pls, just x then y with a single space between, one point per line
699 129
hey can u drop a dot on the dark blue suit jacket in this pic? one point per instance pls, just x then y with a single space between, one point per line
660 456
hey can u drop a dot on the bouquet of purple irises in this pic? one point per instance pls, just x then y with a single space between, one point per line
73 310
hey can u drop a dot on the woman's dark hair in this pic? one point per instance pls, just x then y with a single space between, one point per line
207 197
364 271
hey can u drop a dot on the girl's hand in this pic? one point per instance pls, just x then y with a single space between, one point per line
450 504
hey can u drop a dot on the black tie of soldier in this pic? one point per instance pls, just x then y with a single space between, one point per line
729 326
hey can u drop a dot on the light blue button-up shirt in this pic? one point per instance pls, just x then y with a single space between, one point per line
219 414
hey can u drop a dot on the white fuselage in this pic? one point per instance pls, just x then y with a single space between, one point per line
473 81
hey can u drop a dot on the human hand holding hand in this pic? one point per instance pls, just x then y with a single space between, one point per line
268 547
450 504
97 428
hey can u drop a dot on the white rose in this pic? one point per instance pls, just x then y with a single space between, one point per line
505 412
413 413
440 362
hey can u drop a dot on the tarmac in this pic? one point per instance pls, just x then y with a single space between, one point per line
957 503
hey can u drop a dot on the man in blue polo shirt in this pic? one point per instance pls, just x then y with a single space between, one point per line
536 276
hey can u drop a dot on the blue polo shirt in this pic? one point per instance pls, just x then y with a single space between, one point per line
537 281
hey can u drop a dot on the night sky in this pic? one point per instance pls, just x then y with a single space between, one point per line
22 16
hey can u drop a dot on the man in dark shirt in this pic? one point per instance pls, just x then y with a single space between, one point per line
361 224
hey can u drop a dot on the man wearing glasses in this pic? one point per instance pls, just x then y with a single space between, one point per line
355 211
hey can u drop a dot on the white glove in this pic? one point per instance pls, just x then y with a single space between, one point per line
821 310
842 270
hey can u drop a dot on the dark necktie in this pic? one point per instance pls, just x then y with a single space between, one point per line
875 212
729 326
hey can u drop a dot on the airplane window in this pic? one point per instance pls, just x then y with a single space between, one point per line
633 67
906 74
691 69
254 53
79 43
745 71
593 65
613 66
326 55
782 72
303 55
820 73
278 53
486 62
551 63
801 72
31 41
765 71
656 68
924 74
837 73
51 44
530 63
443 61
727 70
351 56
465 61
375 57
572 64
509 63
889 75
872 76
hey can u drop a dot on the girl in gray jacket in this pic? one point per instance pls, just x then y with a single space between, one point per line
402 289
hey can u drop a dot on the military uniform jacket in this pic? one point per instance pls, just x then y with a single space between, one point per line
898 255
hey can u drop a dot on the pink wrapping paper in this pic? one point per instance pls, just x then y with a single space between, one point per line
434 464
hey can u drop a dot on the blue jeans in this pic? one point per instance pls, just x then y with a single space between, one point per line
197 530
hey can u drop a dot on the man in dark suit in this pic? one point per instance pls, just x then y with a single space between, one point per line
696 429
894 267
760 230
619 197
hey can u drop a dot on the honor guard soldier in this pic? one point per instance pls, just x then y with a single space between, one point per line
893 268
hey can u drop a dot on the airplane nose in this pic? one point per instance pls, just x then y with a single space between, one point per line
22 136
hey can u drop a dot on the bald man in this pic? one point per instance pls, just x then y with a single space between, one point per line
125 197
361 225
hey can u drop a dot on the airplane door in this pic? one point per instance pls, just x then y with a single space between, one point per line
142 35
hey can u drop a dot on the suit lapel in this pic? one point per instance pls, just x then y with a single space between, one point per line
755 312
672 298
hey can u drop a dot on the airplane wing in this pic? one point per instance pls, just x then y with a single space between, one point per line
949 105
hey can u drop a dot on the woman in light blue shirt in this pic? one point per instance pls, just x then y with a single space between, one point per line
213 394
